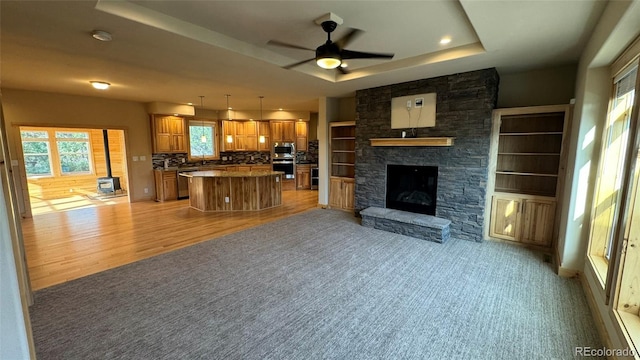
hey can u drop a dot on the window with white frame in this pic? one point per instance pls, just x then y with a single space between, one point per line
54 152
37 153
73 152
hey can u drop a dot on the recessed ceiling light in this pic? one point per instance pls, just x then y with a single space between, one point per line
190 104
100 85
280 109
344 65
445 40
101 35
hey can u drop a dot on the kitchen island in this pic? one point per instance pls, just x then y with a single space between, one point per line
218 190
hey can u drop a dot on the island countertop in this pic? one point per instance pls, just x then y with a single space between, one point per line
224 173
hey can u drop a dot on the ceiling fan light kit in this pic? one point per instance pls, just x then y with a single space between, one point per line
330 55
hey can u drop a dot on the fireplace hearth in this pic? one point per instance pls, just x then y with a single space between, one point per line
412 188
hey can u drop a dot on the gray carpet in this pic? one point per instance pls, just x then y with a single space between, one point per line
319 286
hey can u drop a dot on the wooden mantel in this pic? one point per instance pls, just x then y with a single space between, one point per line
424 141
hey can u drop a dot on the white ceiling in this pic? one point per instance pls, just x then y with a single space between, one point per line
174 51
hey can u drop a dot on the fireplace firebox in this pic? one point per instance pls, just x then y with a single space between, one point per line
412 188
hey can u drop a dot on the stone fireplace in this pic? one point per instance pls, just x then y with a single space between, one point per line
464 106
412 188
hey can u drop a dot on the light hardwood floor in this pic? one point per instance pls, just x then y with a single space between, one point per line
67 245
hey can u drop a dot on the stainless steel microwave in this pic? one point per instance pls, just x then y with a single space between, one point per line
283 150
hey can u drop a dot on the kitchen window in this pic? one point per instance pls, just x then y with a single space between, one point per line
202 140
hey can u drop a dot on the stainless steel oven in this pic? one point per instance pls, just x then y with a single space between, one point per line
284 165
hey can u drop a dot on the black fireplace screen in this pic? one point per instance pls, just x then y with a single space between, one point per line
412 188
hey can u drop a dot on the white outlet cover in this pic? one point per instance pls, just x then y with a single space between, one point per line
277 178
143 158
226 199
135 158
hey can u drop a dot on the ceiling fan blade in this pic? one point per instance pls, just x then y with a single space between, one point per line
348 37
298 63
290 46
348 54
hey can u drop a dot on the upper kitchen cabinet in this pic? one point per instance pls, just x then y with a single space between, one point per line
240 135
246 136
169 135
283 131
264 136
302 135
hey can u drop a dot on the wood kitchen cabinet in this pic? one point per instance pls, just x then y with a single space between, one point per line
169 135
166 185
526 219
243 135
283 131
341 193
303 177
246 136
264 131
227 136
302 135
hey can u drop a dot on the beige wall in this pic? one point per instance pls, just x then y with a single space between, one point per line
550 86
23 107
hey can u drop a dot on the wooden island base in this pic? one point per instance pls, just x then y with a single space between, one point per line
218 190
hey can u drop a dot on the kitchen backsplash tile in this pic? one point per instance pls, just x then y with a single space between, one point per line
226 158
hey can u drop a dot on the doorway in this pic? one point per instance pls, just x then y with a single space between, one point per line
62 167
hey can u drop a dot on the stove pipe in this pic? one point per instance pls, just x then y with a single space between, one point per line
107 156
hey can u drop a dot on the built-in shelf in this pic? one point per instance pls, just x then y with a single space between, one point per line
425 141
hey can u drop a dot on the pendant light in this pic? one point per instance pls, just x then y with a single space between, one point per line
261 138
229 137
203 138
228 108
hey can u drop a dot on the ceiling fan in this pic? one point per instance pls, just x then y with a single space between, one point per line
330 55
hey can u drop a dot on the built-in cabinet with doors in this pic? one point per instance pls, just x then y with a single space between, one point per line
342 139
527 167
169 135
